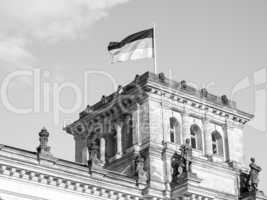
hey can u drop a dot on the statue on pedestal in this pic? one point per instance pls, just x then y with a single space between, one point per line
140 172
253 175
181 163
94 154
177 167
249 181
186 153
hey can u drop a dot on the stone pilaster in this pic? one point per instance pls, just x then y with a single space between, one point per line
156 170
102 150
119 139
136 126
163 119
226 142
166 157
207 138
185 125
81 151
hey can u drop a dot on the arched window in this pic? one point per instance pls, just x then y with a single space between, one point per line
196 137
175 136
127 132
217 143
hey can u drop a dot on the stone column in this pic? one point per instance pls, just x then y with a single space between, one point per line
80 149
166 137
207 138
119 142
102 150
226 142
137 125
166 157
185 126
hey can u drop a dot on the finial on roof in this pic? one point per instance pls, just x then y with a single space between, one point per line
136 79
43 148
183 84
88 109
225 100
43 132
162 77
104 99
119 89
203 92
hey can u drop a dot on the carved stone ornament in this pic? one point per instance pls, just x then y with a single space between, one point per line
88 109
43 148
162 77
79 128
137 79
183 85
104 99
119 90
225 100
203 92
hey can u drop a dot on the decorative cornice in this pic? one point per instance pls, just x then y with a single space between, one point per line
200 104
178 92
63 183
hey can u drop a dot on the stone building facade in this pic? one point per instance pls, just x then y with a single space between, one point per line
153 138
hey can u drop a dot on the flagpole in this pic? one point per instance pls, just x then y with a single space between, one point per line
154 49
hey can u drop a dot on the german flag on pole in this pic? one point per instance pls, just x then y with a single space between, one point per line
136 46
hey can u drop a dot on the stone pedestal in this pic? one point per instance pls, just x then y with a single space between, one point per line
184 185
258 195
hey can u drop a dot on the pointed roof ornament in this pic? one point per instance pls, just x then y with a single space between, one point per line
43 149
43 132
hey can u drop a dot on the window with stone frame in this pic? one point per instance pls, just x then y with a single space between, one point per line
217 143
175 135
196 137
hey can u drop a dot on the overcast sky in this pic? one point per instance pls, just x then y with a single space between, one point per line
220 45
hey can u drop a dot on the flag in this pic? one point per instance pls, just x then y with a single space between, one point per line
136 46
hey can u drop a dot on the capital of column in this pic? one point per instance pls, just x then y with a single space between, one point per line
205 121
